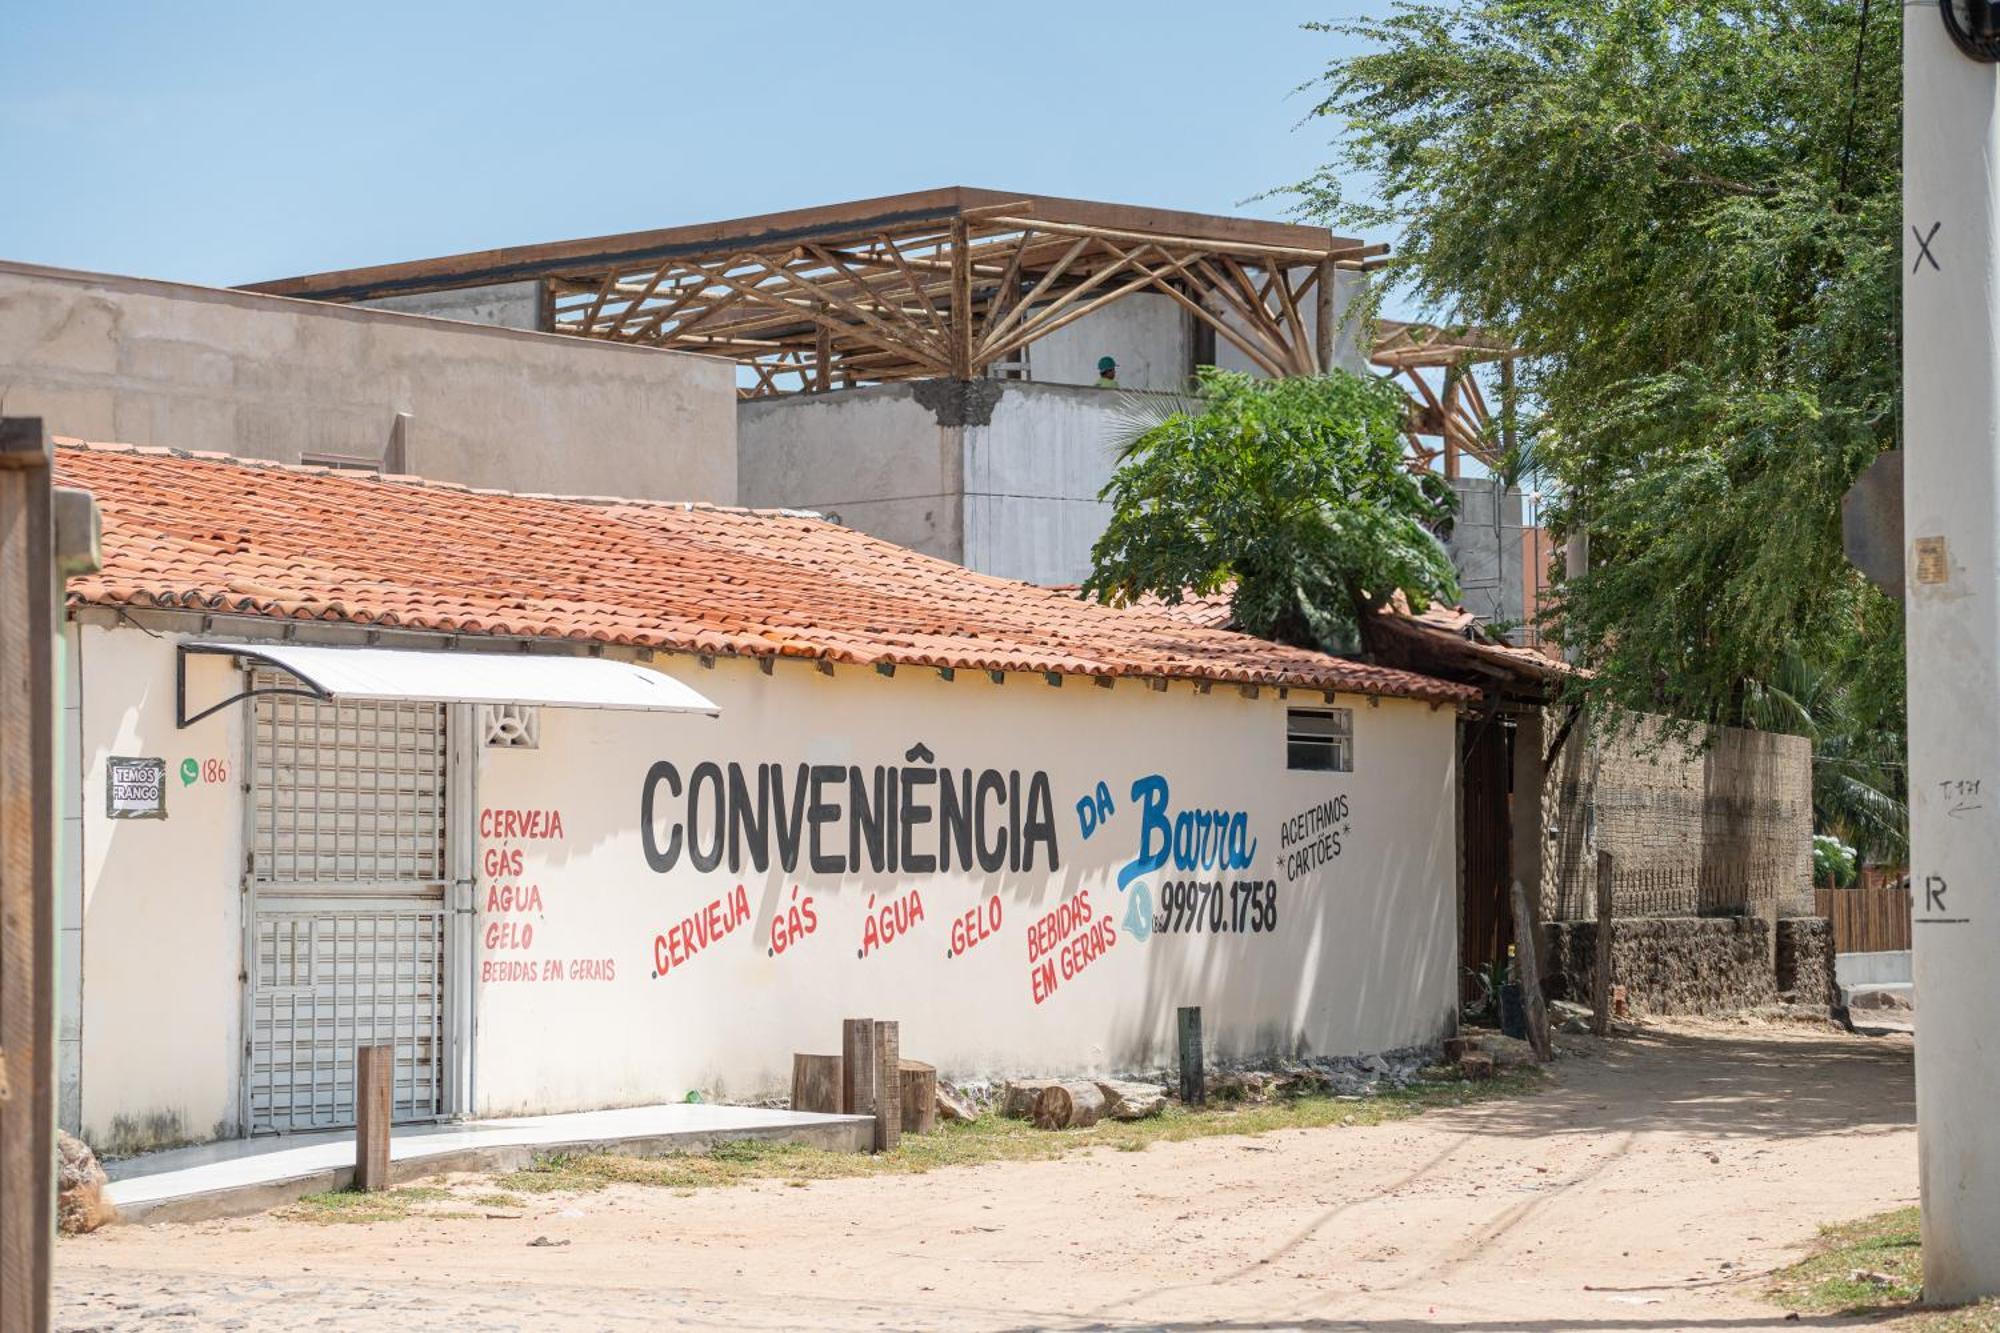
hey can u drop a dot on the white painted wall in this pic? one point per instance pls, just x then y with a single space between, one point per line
162 944
156 363
1362 957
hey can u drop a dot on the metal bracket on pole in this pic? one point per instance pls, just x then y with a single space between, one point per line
1977 31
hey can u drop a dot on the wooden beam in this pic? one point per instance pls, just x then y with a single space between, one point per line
995 327
1323 317
935 338
931 316
886 335
1048 320
1215 245
1214 319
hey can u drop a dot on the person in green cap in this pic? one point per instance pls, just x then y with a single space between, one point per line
1107 373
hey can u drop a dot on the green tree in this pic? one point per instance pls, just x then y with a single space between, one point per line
1688 215
1860 790
1291 491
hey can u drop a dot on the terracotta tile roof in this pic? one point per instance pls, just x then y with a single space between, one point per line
211 533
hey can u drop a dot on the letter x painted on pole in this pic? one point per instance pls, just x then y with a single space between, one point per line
1924 254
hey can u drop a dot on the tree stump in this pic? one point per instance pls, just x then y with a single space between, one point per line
1069 1106
816 1083
1018 1097
919 1093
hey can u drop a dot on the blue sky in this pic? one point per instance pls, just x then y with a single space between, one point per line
224 143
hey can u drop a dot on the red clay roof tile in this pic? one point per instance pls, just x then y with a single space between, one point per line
210 533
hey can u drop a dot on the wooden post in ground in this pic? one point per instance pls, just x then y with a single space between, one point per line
888 1086
30 591
1527 957
1194 1085
374 1078
1600 981
857 1066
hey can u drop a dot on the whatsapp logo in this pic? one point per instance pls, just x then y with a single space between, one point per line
190 770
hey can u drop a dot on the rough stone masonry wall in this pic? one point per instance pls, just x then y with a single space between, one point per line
1668 965
1708 823
1805 960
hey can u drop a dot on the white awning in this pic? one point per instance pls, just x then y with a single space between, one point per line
342 674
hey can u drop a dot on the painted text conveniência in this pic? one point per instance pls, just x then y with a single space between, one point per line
915 820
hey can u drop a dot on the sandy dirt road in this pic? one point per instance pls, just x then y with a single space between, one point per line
1647 1191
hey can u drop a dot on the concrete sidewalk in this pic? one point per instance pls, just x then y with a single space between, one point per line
238 1176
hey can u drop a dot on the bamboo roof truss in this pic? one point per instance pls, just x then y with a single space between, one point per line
951 297
956 283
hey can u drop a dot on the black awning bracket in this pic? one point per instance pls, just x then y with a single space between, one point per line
182 720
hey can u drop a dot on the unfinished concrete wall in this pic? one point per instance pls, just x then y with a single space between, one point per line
156 363
1150 336
875 458
1012 491
1709 823
1032 481
505 305
1486 549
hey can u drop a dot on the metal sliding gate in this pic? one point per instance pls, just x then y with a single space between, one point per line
348 941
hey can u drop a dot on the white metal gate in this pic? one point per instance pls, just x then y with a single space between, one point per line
348 929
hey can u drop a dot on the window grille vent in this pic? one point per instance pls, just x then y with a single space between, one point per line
511 726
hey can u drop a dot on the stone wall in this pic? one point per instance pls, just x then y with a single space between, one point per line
1805 960
1668 965
1708 823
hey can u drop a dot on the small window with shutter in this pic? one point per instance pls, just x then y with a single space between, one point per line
1319 740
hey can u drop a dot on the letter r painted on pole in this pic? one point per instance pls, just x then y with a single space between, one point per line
1934 887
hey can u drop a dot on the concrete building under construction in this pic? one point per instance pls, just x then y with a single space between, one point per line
929 367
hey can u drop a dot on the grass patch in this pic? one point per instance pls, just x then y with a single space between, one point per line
992 1138
1874 1267
552 1175
335 1206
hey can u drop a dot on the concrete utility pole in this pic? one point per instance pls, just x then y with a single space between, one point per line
1951 296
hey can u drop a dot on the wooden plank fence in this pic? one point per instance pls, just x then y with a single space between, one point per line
1866 920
